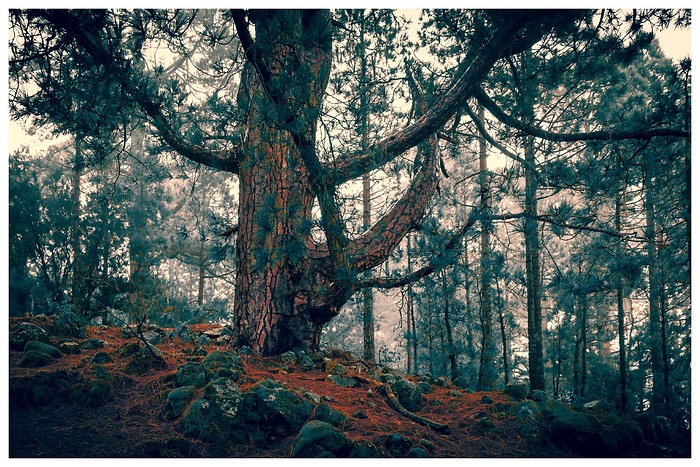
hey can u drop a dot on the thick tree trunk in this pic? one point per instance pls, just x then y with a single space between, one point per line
277 282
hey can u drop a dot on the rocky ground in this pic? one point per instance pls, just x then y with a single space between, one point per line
100 392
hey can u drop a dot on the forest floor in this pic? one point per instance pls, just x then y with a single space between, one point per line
132 421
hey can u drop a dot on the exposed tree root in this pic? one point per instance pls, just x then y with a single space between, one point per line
394 402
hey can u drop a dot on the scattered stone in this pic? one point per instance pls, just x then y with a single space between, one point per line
502 407
100 357
417 452
152 338
462 382
360 415
214 333
525 414
582 433
408 394
454 393
93 343
366 450
35 359
516 391
151 351
539 396
245 351
424 387
223 340
342 381
334 368
397 445
314 398
191 374
321 439
68 324
69 347
326 413
442 381
101 372
486 400
599 405
217 415
288 358
222 363
485 425
178 399
427 378
91 393
43 348
25 332
389 379
304 360
273 412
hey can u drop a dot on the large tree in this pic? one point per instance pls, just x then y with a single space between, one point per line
290 280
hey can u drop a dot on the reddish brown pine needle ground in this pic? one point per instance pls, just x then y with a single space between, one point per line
132 421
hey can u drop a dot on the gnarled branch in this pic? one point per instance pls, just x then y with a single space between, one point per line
91 43
505 32
513 122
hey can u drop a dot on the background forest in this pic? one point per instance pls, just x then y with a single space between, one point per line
541 245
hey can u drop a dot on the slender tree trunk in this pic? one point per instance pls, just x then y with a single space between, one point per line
487 362
583 313
621 308
655 285
78 292
532 271
577 351
367 298
412 332
664 340
532 242
504 337
202 271
471 352
448 327
560 356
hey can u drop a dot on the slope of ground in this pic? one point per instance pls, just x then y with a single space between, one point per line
129 419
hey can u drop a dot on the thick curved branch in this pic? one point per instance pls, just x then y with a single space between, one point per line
436 264
504 33
513 122
377 243
65 20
